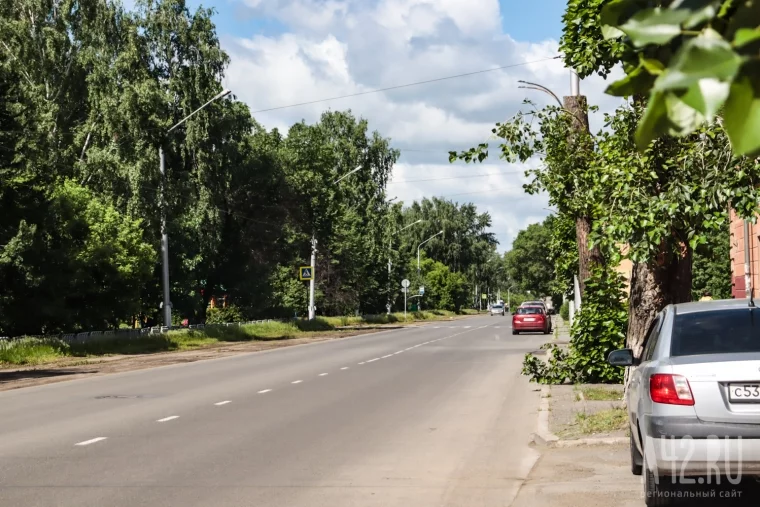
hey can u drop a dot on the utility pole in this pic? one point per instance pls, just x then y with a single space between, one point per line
577 105
312 308
166 305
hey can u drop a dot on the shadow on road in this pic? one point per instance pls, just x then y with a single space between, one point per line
10 376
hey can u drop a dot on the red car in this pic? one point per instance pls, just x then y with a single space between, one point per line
531 319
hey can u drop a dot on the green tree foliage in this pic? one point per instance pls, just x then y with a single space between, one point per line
712 267
563 253
89 92
694 59
528 263
82 266
444 289
598 329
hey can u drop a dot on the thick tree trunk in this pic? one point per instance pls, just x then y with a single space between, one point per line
654 286
577 106
587 257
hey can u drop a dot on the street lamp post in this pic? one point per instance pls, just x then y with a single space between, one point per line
390 264
418 258
312 282
509 298
420 245
167 305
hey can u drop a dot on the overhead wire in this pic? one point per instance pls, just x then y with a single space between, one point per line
406 85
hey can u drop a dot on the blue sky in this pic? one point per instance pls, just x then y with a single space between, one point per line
524 20
533 20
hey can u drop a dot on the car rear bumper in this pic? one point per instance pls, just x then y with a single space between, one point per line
523 327
694 428
714 457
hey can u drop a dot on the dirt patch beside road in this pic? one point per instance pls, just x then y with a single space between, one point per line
73 368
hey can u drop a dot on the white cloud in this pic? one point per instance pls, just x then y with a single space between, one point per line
343 47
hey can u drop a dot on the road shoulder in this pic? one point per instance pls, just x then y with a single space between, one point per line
73 368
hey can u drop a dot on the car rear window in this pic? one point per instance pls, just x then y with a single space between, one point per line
528 311
497 307
716 332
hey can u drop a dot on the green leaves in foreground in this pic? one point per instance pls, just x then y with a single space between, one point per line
697 59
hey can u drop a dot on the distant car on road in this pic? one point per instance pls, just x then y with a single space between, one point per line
531 319
497 310
694 397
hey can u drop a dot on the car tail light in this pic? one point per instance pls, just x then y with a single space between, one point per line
670 389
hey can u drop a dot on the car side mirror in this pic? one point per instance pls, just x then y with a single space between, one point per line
622 357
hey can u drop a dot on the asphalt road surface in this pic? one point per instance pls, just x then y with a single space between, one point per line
433 415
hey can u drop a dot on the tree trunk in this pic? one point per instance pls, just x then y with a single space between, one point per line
586 256
654 286
577 106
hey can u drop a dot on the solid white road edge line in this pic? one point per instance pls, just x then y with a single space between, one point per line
91 441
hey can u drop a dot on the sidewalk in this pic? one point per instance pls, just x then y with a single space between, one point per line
581 477
579 467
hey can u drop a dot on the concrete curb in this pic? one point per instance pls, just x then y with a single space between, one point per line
543 435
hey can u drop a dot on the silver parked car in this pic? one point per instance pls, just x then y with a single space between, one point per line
497 310
694 398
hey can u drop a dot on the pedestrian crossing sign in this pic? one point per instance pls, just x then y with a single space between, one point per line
306 272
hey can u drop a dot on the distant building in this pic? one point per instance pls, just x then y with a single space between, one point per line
738 289
625 268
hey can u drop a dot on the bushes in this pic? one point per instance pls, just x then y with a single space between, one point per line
599 328
218 315
564 311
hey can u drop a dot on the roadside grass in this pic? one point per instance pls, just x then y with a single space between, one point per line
33 351
604 421
36 351
598 393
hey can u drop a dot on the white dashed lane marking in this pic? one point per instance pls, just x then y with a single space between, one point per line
91 441
344 368
373 360
264 391
296 381
322 374
170 418
219 404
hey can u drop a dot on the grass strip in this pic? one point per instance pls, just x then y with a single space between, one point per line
37 351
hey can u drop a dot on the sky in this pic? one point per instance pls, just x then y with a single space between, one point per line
286 52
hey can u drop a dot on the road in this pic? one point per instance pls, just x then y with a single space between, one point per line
433 415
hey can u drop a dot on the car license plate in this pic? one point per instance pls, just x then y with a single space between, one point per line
530 319
744 392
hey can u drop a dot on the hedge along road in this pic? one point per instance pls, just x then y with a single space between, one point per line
425 416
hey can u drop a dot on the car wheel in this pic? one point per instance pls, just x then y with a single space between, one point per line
636 458
515 332
656 487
